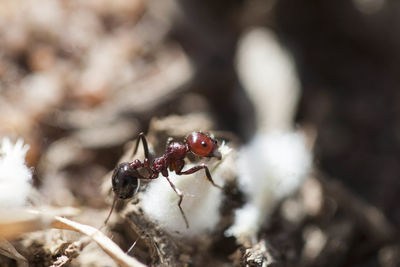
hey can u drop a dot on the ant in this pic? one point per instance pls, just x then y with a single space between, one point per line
126 177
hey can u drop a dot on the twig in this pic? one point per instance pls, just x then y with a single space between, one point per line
102 240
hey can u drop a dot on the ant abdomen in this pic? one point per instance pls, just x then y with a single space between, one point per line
125 182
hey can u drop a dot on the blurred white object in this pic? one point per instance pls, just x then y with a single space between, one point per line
269 76
15 176
276 161
369 6
201 200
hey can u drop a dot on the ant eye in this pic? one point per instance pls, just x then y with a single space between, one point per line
204 144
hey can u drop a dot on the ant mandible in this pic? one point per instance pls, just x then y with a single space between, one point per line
126 177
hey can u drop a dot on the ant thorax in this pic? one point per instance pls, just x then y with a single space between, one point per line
176 150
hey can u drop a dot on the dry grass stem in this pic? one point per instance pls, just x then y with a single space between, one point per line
102 240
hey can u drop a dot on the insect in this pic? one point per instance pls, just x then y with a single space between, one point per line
126 177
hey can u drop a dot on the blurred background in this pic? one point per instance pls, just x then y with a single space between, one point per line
79 79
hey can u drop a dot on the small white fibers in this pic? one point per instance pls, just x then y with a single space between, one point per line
271 167
15 176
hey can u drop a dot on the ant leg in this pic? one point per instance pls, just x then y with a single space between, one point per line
146 164
145 146
180 195
112 208
197 168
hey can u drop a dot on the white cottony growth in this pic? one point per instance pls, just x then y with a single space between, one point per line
201 200
200 203
270 167
275 163
268 74
15 176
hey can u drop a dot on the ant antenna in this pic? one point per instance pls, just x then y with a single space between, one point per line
112 208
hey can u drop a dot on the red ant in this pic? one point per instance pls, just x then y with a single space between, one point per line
126 177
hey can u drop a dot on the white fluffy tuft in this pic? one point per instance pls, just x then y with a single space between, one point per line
270 167
15 176
201 200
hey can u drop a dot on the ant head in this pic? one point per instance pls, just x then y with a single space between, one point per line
124 181
203 145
